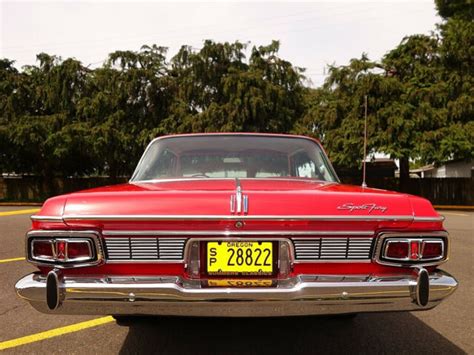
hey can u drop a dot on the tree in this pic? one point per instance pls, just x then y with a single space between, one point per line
218 90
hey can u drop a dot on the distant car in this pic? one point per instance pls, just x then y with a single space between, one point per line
235 225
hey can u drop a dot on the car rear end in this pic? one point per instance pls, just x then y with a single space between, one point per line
270 266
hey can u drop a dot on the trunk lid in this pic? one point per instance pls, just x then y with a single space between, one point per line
270 197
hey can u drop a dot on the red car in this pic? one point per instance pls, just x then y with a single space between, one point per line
235 225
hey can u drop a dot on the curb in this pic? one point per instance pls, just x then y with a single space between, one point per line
456 208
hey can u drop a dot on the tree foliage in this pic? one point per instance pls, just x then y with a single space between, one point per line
60 117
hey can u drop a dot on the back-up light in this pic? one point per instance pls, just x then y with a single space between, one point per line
413 250
62 250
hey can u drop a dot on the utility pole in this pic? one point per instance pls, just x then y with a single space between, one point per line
364 184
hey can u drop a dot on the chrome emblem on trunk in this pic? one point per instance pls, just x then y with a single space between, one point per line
238 200
369 207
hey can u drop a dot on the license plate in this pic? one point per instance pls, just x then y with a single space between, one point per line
240 258
239 283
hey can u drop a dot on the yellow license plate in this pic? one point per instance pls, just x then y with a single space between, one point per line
239 283
240 258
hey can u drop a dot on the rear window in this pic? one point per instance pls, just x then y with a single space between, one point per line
233 156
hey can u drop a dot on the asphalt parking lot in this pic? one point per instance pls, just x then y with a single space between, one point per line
449 328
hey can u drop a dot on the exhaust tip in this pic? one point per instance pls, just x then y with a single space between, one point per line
53 299
422 288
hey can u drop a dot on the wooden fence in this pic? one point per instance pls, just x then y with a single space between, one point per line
38 189
440 191
446 191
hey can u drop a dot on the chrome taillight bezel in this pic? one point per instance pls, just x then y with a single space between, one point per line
96 255
384 239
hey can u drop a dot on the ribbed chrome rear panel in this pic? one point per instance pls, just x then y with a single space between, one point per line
144 248
327 248
172 249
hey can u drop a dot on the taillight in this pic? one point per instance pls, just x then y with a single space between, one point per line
432 249
397 250
62 250
42 249
79 250
413 250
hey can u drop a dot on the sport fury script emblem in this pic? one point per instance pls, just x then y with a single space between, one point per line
369 207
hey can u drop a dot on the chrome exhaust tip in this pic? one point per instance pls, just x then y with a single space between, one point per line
53 294
422 290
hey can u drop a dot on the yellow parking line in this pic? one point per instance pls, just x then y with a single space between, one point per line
54 332
11 213
12 259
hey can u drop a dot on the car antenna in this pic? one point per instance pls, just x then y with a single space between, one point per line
364 183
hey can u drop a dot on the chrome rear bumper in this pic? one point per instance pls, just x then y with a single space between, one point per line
302 295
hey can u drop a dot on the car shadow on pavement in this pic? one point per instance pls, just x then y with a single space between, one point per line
367 334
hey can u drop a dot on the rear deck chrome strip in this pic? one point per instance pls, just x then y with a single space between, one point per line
228 217
406 218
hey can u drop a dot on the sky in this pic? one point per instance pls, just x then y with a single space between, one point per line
312 34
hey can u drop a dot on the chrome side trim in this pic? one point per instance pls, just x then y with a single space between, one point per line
90 234
40 218
429 219
300 295
233 218
231 233
402 235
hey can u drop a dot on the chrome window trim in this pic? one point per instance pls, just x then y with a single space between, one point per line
94 236
312 181
380 244
407 218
